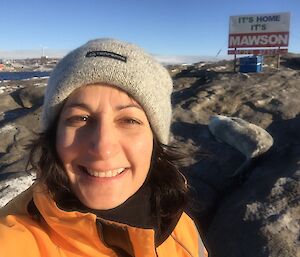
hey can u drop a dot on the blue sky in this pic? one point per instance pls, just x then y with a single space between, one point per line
162 27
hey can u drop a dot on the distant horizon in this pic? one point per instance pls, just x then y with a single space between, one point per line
165 59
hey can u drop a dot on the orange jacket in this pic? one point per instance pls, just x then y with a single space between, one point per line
74 234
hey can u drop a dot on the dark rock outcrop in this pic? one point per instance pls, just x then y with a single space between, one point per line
7 103
31 96
261 217
18 126
258 215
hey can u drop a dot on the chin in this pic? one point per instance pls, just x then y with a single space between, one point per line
102 204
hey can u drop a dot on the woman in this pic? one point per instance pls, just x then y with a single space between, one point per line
106 185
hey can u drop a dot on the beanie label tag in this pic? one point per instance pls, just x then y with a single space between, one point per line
106 54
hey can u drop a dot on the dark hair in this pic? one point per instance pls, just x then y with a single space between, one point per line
168 184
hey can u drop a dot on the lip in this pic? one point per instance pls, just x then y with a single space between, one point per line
103 173
86 175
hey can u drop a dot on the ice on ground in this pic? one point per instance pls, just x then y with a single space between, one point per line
7 128
10 188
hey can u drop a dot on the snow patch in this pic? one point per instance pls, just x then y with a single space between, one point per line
10 188
7 128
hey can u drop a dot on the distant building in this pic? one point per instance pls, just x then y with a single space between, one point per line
44 59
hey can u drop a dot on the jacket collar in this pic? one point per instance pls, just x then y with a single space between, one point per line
78 232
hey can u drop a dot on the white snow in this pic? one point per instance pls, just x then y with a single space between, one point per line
6 128
10 188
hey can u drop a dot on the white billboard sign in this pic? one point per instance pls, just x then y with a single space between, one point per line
259 30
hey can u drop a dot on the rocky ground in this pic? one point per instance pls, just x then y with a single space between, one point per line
254 213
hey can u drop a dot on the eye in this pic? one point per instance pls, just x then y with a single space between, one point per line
130 121
77 119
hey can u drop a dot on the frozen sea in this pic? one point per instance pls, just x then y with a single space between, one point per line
23 75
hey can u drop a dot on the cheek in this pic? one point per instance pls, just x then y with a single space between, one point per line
65 143
143 146
141 150
64 137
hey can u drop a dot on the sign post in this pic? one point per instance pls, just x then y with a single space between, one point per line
234 63
278 58
259 33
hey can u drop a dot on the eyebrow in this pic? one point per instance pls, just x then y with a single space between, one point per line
121 107
87 107
79 105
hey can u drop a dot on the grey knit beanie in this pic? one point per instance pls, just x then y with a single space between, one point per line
117 63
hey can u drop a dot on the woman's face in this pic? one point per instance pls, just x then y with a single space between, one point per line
105 143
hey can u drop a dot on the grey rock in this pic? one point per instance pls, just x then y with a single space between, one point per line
7 137
31 120
13 164
261 218
249 139
14 139
32 96
244 218
7 103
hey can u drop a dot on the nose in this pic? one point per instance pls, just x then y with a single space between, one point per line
104 143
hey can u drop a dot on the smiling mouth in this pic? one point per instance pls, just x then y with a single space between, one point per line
102 174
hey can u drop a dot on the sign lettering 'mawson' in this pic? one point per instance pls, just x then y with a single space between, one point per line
258 40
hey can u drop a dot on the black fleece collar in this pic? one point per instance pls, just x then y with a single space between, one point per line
137 211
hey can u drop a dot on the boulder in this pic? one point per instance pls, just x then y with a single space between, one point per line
249 139
7 103
32 96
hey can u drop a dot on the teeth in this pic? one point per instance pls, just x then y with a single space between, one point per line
104 174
